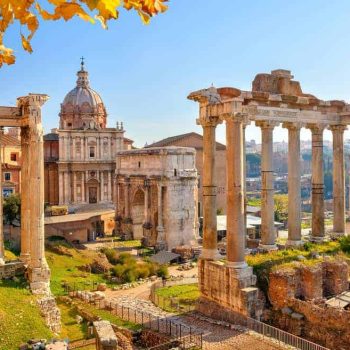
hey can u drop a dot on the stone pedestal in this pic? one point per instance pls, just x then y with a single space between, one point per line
228 287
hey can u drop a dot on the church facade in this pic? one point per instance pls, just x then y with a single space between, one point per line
82 151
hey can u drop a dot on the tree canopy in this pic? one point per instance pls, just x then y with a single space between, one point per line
28 13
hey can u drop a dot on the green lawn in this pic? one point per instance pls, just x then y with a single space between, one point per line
65 268
177 298
108 316
20 318
70 329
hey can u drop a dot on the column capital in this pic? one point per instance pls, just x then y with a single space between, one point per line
234 117
292 126
316 128
338 128
266 124
209 121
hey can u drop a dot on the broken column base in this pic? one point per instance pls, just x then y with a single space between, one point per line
39 280
228 289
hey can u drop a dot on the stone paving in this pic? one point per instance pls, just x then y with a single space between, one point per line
215 336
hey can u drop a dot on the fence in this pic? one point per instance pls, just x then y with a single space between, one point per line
186 335
264 329
173 303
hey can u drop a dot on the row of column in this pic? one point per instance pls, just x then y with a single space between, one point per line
236 227
68 186
68 148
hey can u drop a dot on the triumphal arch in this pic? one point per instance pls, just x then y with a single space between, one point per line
274 99
27 116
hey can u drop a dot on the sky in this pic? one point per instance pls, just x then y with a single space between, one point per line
144 73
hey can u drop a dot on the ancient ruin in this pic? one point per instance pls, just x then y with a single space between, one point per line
156 196
275 99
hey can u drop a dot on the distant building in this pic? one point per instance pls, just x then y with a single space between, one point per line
80 155
11 161
195 141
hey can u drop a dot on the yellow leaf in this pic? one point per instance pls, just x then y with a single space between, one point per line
26 44
144 16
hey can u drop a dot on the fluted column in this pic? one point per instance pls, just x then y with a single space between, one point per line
38 270
102 182
268 236
83 186
109 194
127 198
60 189
2 248
209 250
338 179
317 201
74 186
235 231
160 227
294 187
146 219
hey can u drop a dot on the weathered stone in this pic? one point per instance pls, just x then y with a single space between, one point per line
105 336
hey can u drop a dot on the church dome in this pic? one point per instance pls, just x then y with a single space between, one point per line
83 108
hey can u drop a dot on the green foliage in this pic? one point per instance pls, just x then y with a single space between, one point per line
163 271
281 207
253 158
20 317
12 207
67 268
128 269
219 211
263 263
345 244
111 255
254 202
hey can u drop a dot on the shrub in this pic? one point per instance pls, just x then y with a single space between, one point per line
163 271
345 244
111 254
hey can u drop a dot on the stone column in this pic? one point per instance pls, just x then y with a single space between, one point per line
102 184
268 235
317 200
127 198
110 197
294 187
2 248
60 189
338 179
38 270
160 227
235 231
74 187
83 186
209 251
146 220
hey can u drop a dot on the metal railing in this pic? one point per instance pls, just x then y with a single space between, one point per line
266 330
167 325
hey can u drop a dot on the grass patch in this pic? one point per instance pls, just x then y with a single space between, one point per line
9 255
106 315
263 263
135 243
20 319
180 297
66 268
70 329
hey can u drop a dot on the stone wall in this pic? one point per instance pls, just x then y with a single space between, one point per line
298 298
228 287
324 279
51 313
11 269
326 326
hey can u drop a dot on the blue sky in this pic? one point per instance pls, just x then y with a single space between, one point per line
144 73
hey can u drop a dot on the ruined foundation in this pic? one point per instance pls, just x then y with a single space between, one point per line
226 290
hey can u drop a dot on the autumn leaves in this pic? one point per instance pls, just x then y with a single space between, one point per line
28 13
